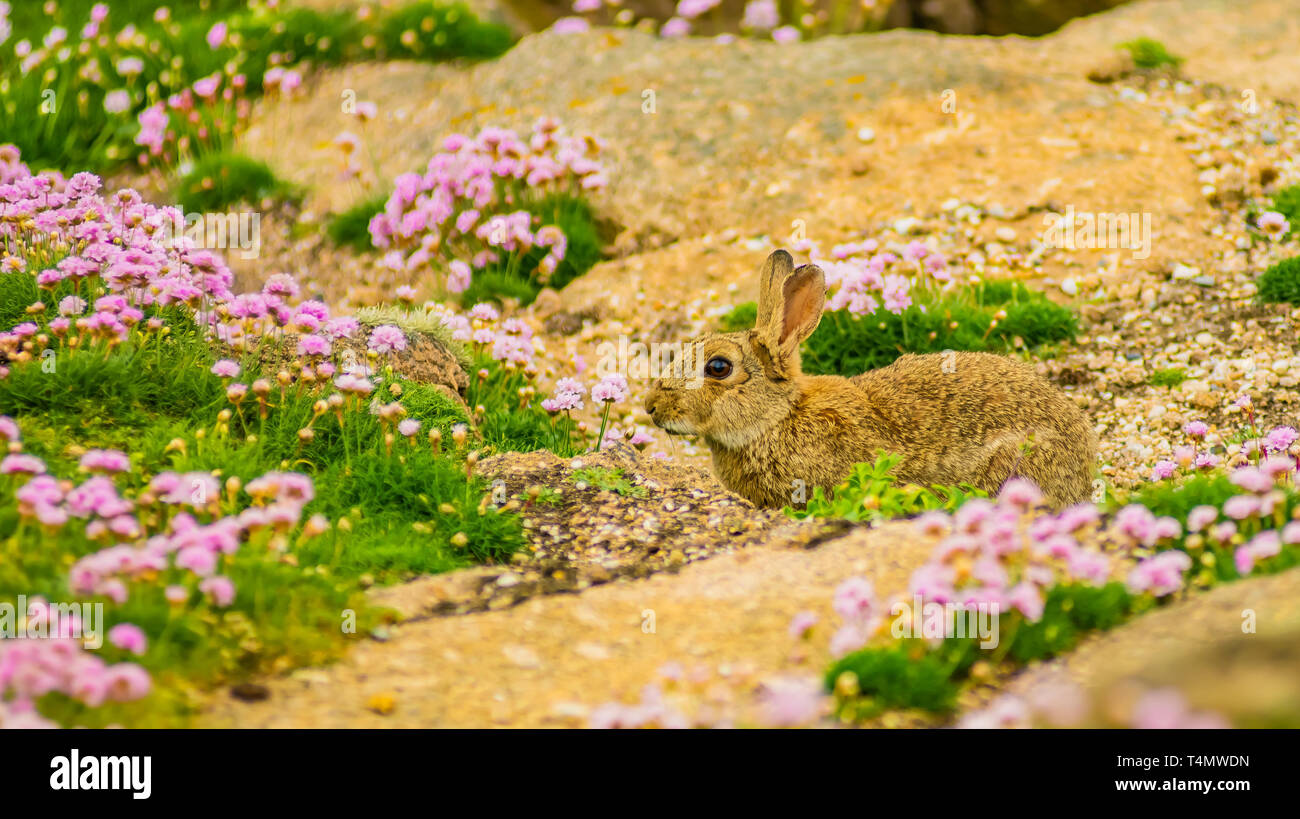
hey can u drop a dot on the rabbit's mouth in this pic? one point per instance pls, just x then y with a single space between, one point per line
676 426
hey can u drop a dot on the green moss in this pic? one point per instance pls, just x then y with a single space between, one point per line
1281 282
1170 377
1150 54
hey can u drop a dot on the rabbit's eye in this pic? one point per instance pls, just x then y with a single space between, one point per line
717 367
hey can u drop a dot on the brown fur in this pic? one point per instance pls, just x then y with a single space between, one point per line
987 419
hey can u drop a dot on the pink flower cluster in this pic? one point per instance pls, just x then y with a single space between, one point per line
509 341
466 205
130 252
864 276
30 669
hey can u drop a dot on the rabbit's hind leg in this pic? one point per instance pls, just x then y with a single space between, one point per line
1044 457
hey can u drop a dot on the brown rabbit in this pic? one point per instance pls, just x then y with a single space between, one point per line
953 417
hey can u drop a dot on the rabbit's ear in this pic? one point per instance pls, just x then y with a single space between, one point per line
771 290
795 306
804 297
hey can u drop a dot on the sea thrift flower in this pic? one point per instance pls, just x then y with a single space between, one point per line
611 388
225 368
1274 224
854 600
128 637
105 460
1280 439
1161 575
789 702
387 338
1164 469
219 589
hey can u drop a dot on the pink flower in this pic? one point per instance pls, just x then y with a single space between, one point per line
105 460
220 589
1200 517
675 27
126 681
313 345
128 637
225 368
1161 574
1028 600
611 388
216 36
1280 439
19 463
387 338
786 34
1164 470
1021 492
570 25
854 600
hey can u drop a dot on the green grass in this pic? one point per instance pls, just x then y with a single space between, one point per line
1169 377
871 492
1280 283
221 181
78 134
967 319
607 479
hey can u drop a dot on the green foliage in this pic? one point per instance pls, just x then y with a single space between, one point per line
79 134
128 386
966 319
221 181
403 512
899 676
432 31
511 423
1177 499
1281 282
351 228
741 318
871 492
607 479
1069 611
1150 54
1169 377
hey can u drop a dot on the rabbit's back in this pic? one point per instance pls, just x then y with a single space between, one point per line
980 418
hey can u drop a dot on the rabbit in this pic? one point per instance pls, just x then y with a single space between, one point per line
954 418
